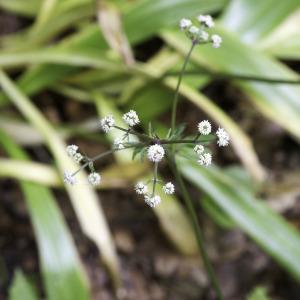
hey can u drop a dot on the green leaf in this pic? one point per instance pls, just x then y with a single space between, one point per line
57 56
259 293
89 211
145 18
28 8
21 288
265 227
279 102
62 271
252 21
284 41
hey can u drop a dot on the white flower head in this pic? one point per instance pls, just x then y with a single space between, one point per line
223 137
94 178
156 153
193 33
107 123
119 144
205 159
169 188
69 178
131 118
216 41
199 149
141 188
152 201
204 127
203 36
71 150
78 157
206 20
185 24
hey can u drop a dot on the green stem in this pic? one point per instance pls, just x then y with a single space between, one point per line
101 155
183 141
132 131
175 101
155 178
199 236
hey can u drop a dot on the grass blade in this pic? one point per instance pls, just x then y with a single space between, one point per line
83 197
21 288
63 275
268 229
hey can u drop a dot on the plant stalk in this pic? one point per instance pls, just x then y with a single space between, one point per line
199 236
176 96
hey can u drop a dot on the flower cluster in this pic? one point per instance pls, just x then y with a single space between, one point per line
151 145
197 34
204 128
69 178
154 147
150 198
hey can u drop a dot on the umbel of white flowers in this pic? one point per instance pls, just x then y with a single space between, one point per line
197 34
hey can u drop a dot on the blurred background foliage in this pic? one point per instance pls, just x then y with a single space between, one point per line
96 58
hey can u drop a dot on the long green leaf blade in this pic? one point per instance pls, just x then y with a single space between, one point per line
267 228
21 288
63 274
83 197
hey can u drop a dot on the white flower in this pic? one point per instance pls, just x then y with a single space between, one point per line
71 150
205 159
152 201
193 32
141 188
206 20
203 36
94 178
199 149
156 153
223 137
185 23
118 143
169 188
216 41
107 123
69 178
78 157
131 118
204 127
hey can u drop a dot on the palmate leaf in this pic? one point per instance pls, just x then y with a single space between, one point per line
63 275
83 197
265 227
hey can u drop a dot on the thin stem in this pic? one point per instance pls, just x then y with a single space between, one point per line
155 178
223 75
132 131
175 101
199 236
101 155
183 141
